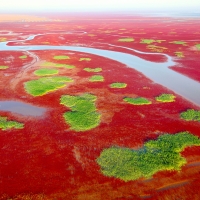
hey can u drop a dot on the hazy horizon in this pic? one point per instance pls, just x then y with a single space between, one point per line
99 6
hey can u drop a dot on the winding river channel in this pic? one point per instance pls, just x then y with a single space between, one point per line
158 72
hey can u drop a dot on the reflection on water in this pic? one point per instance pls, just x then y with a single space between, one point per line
21 108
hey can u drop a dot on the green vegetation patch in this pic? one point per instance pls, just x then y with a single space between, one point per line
166 98
52 64
96 78
45 72
5 125
179 42
98 69
197 46
23 57
147 41
156 155
83 115
3 67
48 64
86 59
156 48
137 101
179 54
118 85
45 85
160 41
61 57
66 66
190 115
150 41
126 40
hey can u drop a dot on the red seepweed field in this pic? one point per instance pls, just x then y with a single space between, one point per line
93 105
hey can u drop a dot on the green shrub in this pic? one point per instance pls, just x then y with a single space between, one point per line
166 98
147 41
118 85
96 78
137 101
45 85
87 69
191 115
126 40
179 42
160 41
156 48
66 66
197 46
45 72
82 121
23 57
84 103
5 125
3 67
48 64
156 155
83 115
52 64
179 54
61 57
86 59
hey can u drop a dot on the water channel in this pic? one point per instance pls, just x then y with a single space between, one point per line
158 72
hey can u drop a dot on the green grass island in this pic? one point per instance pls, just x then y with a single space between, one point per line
44 85
137 101
6 125
83 115
156 155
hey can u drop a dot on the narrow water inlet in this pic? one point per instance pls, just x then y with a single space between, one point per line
22 108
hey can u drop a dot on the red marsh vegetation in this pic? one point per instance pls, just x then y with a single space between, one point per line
48 158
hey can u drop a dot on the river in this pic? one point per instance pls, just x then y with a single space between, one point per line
158 72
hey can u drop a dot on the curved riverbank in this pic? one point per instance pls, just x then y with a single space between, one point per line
158 72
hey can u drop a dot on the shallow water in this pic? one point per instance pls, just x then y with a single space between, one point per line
21 108
157 72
